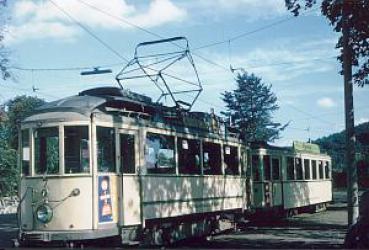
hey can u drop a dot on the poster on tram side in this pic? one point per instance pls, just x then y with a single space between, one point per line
105 200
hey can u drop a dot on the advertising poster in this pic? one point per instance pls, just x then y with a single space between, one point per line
105 200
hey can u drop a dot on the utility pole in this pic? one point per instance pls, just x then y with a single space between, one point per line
352 183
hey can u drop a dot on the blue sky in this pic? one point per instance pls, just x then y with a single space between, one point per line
296 56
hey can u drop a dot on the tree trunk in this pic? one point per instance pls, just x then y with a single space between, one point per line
352 184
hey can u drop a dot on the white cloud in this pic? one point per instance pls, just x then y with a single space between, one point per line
38 19
326 102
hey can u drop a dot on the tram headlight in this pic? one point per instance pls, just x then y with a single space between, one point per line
44 213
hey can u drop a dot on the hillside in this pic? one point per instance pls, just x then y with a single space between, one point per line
334 145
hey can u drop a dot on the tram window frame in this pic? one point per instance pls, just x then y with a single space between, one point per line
314 168
328 173
25 152
189 160
276 169
290 168
307 172
255 165
211 158
157 144
299 170
267 167
127 150
44 144
108 163
231 160
321 170
83 148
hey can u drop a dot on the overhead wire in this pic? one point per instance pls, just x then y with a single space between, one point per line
198 48
236 37
106 45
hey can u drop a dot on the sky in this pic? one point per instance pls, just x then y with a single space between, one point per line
52 41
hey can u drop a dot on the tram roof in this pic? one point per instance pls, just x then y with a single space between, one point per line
111 100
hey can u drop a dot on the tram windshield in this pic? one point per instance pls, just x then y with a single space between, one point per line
76 153
47 150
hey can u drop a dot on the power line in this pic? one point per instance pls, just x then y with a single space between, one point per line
150 32
64 69
159 36
28 90
90 32
234 38
105 44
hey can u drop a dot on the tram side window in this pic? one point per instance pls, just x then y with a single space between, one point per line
127 153
255 167
231 160
105 149
275 169
212 159
266 163
47 150
321 174
327 170
188 156
298 166
307 169
76 153
25 152
290 168
313 165
159 154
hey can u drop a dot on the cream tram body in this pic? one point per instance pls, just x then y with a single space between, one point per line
290 180
91 169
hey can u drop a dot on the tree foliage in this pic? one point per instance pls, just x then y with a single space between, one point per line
358 23
10 114
250 107
17 109
334 145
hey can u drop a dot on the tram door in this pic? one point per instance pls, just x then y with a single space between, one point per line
128 158
267 181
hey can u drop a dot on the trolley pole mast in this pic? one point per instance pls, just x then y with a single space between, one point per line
352 183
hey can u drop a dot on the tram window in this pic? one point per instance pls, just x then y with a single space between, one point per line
266 163
290 168
212 159
327 170
188 156
76 153
321 174
298 166
105 149
313 165
275 169
159 154
307 169
25 152
47 150
127 153
231 160
255 167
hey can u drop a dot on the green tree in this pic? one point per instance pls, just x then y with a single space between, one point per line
17 109
358 24
10 114
250 107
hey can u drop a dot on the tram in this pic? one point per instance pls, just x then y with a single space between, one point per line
289 180
110 162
